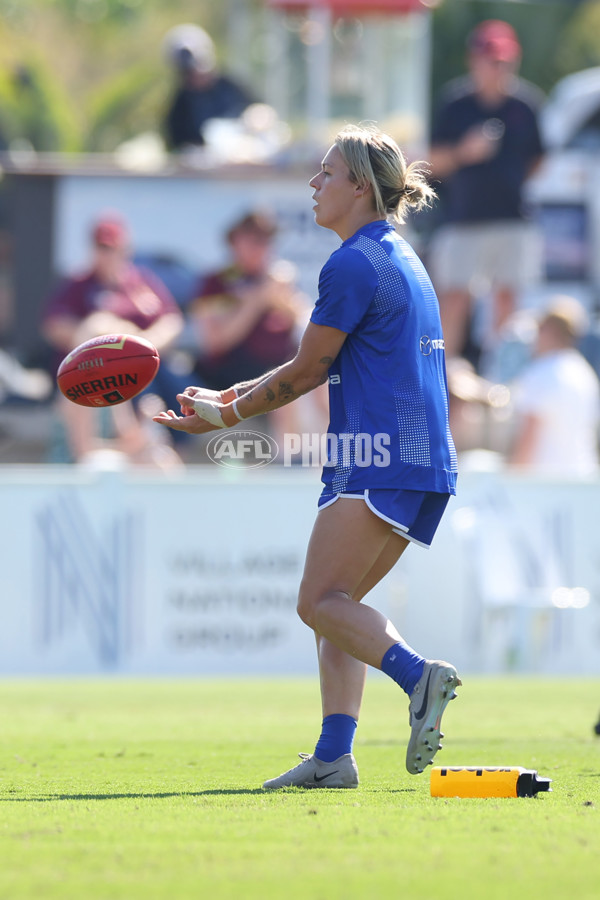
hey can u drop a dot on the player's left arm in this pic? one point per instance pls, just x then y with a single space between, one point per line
318 349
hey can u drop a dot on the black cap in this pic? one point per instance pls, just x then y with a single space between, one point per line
529 784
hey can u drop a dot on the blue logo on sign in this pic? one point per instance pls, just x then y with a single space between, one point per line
86 576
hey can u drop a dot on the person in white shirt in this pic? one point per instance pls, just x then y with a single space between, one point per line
557 399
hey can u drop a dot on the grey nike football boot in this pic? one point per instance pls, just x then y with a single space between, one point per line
314 773
432 693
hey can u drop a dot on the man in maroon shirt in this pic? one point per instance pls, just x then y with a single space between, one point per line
248 314
112 296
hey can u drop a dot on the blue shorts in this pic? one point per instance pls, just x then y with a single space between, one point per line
415 515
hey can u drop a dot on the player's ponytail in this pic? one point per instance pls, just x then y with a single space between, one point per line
375 158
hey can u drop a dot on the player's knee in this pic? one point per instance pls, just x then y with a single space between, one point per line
306 606
313 604
309 600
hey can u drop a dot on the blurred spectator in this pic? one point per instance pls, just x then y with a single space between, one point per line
247 313
202 92
112 296
512 349
485 144
479 416
557 399
248 316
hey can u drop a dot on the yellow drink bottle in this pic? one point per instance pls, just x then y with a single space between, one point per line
486 781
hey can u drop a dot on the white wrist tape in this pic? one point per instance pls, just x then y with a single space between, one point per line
208 411
236 411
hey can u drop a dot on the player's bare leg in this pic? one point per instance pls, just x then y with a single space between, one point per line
346 542
343 676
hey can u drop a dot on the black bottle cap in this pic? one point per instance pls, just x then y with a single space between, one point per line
529 784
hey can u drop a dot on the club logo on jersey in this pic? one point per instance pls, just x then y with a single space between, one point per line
427 345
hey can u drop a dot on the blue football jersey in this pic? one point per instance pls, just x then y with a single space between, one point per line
388 392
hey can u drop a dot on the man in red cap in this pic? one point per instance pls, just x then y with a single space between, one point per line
112 295
485 144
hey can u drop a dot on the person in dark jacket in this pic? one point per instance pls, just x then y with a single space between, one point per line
202 92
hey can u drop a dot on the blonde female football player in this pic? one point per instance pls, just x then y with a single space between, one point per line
375 333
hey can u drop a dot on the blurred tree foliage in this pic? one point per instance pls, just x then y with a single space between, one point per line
579 47
88 74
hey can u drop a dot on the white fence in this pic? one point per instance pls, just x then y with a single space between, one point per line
134 573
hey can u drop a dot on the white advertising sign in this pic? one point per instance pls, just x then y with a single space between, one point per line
134 573
512 582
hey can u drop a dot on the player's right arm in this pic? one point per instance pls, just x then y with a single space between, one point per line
318 349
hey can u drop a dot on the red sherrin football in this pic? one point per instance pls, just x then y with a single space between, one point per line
107 370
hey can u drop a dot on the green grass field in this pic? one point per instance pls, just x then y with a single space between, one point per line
151 789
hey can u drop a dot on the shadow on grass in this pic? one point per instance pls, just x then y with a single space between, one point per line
48 798
217 792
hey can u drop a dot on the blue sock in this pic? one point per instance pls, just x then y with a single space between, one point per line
403 665
337 737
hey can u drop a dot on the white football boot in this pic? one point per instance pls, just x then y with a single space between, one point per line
314 773
432 693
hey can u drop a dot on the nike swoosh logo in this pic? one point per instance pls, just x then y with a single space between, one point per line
319 778
421 712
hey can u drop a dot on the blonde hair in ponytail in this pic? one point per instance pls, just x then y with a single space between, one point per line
375 158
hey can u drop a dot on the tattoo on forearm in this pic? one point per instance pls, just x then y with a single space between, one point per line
246 387
326 360
270 395
286 390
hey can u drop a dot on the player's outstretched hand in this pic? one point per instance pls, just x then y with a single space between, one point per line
198 415
190 424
